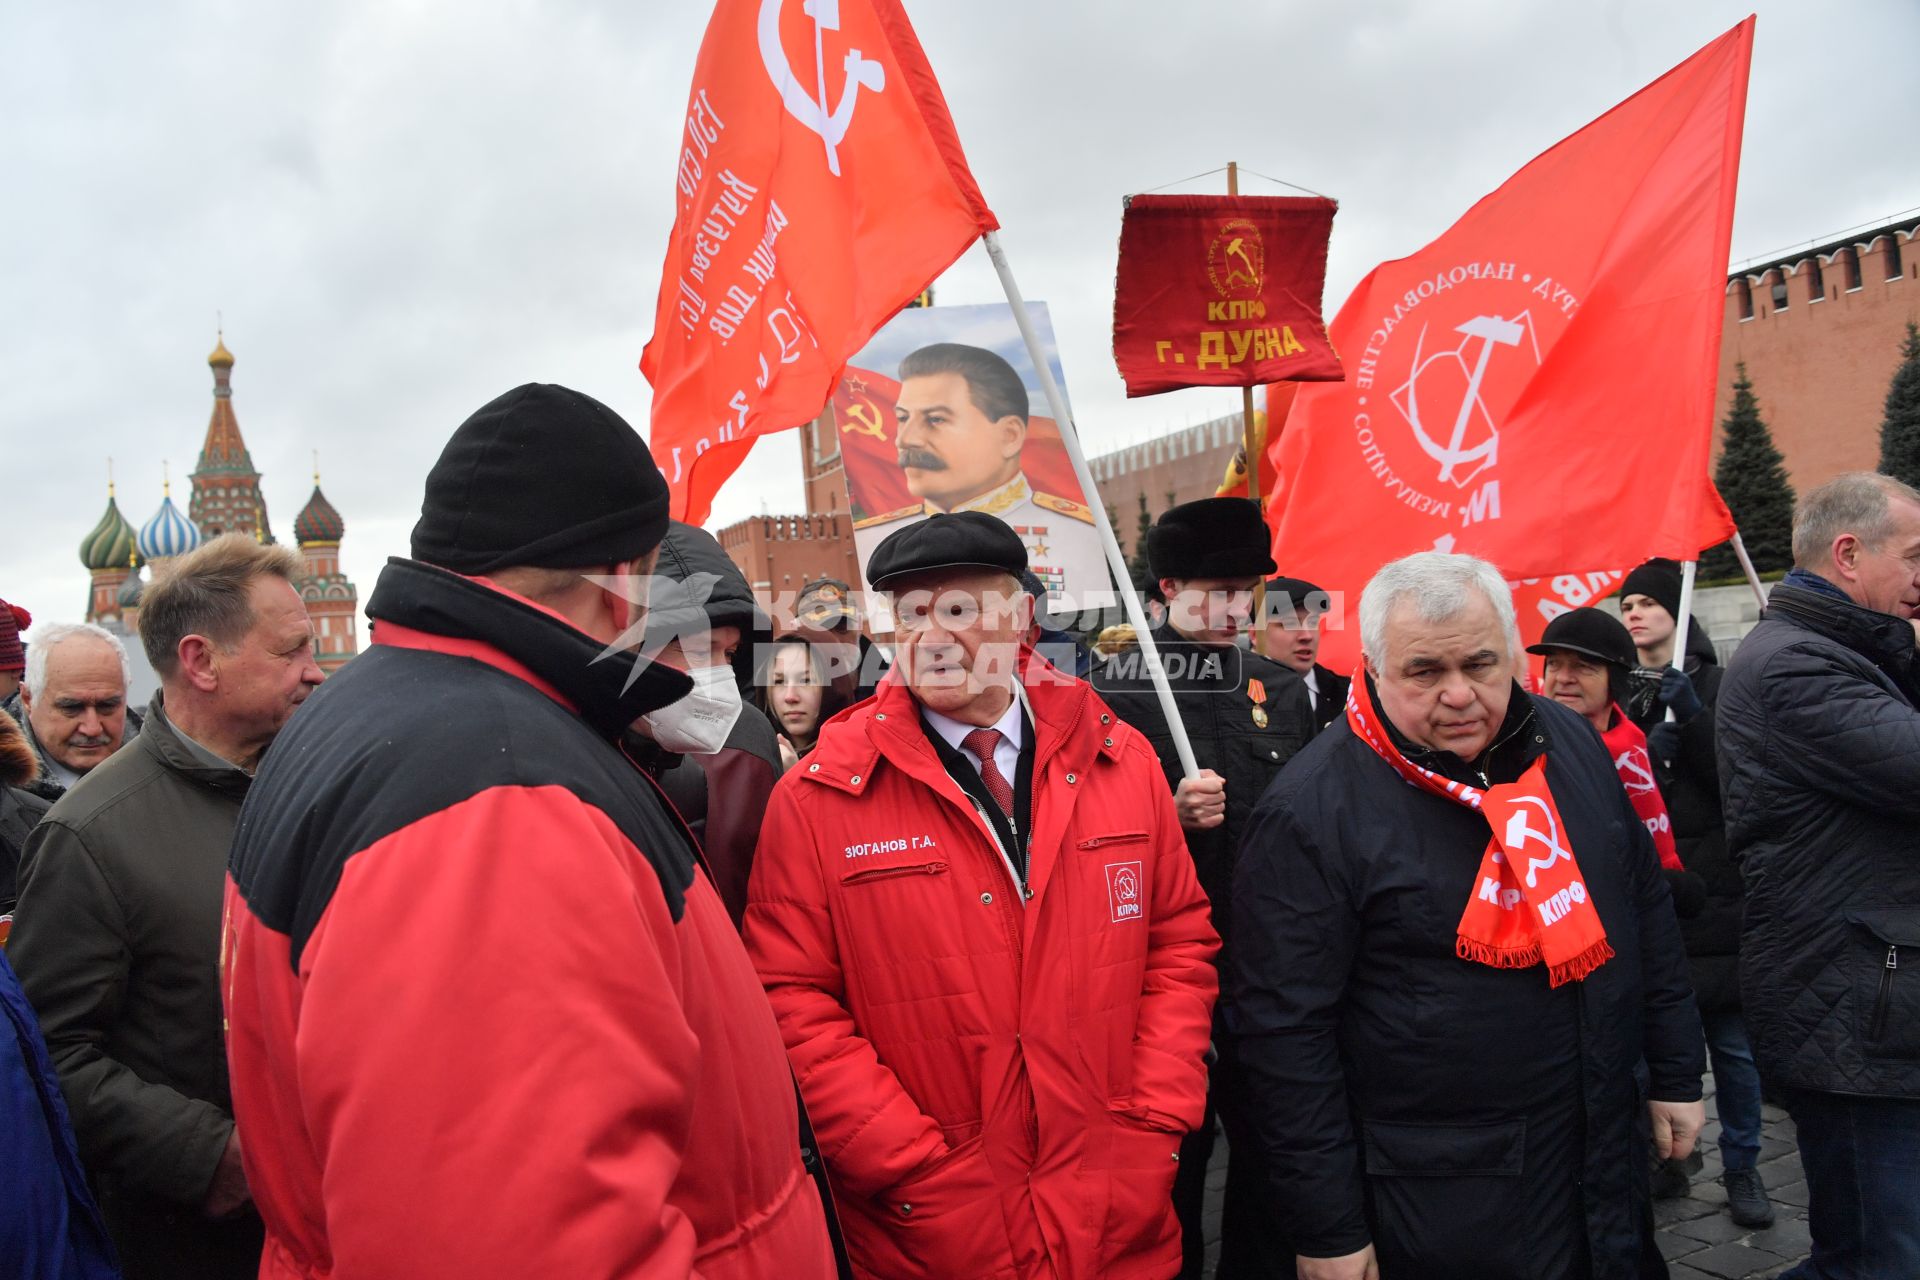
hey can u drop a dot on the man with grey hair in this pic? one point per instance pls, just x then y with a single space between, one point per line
73 702
1819 748
1463 997
117 933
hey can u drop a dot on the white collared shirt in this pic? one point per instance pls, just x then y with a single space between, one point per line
1006 755
1313 688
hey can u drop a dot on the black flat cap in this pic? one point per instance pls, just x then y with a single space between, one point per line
1211 538
961 540
1592 632
1295 597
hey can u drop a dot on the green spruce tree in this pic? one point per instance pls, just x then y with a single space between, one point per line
1137 562
1900 429
1752 477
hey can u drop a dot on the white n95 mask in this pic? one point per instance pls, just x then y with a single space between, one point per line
699 723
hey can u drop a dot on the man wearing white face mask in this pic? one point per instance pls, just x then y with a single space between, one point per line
714 754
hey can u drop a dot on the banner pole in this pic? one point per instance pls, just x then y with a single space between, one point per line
1746 567
1681 624
1247 448
1070 437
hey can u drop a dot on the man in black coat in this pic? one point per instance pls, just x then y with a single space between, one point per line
1463 1000
1293 610
1819 743
1245 716
1689 780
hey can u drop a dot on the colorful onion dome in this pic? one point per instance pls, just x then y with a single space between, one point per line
131 590
111 543
318 521
168 533
221 357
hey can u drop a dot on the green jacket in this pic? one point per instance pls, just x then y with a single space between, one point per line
117 943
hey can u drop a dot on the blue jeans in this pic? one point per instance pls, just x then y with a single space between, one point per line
1862 1157
1736 1088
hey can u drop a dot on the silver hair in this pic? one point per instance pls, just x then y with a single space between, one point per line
1855 502
48 637
1438 586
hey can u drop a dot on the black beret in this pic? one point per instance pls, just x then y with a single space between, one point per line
1211 538
541 476
1592 632
1658 580
1294 596
960 540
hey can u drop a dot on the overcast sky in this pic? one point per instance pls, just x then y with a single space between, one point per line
403 209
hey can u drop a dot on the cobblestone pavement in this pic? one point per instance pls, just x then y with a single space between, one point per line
1698 1239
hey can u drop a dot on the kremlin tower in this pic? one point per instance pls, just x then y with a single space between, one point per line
226 488
108 554
332 602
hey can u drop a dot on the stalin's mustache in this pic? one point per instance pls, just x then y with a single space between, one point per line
921 460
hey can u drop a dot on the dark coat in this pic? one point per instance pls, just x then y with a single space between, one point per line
1332 696
50 1228
1469 1121
722 798
1690 784
1820 764
1210 689
117 942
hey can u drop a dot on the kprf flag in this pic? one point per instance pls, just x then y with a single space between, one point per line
1537 385
821 186
1221 291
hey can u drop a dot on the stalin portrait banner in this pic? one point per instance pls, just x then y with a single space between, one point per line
936 413
1222 291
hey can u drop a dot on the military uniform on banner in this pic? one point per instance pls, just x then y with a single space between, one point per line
1063 545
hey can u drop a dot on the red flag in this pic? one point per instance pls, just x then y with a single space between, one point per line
821 187
1222 291
1537 385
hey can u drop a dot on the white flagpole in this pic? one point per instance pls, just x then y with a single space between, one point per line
1746 566
1115 561
1680 624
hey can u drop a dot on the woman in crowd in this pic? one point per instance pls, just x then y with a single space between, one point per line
797 697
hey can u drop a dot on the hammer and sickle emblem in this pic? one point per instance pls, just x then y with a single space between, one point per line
1454 455
1518 833
1635 771
811 109
866 421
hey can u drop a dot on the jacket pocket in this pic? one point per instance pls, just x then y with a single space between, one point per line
1112 838
943 1221
868 875
1887 1000
1449 1199
1141 1164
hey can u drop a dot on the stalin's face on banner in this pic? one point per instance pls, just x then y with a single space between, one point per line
961 423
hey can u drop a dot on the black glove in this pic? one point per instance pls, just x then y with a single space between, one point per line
1676 691
1663 741
1689 892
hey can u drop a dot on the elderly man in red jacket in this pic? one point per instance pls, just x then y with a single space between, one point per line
985 945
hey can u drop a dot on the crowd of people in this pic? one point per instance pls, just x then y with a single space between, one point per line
595 922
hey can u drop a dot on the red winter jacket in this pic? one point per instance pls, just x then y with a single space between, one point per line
486 1017
999 1086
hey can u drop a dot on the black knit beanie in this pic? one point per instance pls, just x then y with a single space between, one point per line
542 476
1658 580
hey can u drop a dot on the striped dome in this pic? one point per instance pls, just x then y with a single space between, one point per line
318 521
130 590
110 545
168 534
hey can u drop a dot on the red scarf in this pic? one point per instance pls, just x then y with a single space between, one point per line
1514 919
1628 747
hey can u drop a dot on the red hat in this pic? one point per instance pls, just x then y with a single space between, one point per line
13 656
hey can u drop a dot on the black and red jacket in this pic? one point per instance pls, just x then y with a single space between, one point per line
486 1015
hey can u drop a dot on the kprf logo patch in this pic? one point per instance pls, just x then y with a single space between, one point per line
1124 886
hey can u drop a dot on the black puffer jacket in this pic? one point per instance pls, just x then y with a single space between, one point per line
1471 1122
1690 784
20 809
1212 688
1819 744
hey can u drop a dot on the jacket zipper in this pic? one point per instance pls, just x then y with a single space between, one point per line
914 869
1118 837
1882 1001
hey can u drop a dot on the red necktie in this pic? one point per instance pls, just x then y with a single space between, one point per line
982 743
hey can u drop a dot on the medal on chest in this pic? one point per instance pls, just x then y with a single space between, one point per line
1258 692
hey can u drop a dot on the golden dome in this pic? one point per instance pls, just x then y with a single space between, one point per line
221 357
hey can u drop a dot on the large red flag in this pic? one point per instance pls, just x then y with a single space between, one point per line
1537 385
821 187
